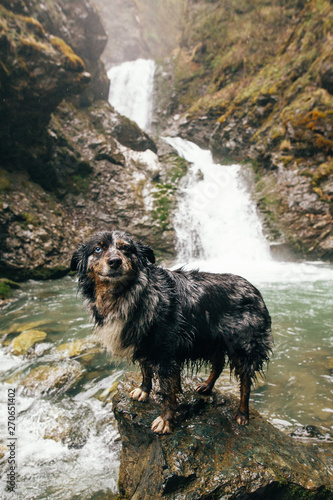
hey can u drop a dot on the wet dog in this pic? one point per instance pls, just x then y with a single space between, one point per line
165 319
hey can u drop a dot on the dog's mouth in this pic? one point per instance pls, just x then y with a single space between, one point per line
110 275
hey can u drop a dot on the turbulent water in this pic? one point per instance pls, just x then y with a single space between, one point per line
67 443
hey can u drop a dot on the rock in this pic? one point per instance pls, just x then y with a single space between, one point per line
330 365
21 327
311 432
37 72
6 287
209 455
326 75
50 380
129 134
84 349
69 425
21 344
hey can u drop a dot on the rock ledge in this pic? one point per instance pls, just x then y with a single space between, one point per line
209 456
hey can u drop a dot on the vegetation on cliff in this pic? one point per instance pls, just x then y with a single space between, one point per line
255 81
70 164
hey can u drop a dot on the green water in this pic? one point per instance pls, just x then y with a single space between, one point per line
297 390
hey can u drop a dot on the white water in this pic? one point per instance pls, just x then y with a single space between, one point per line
131 90
218 227
216 216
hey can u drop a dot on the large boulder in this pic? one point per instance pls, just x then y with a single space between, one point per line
37 71
209 455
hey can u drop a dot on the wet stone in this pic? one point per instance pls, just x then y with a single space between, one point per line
52 379
21 327
208 455
28 338
84 349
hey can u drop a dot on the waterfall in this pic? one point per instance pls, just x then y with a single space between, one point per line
131 90
216 218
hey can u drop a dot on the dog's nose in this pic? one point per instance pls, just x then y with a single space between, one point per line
114 263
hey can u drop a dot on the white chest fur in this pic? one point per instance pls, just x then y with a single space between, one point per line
110 336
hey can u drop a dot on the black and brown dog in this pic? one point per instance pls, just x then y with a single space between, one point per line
164 319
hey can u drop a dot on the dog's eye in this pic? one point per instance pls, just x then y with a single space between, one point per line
98 250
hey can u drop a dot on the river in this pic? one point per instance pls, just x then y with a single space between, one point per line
67 443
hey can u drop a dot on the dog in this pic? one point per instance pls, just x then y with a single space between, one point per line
165 319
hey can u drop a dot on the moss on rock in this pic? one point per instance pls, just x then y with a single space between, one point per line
6 288
21 344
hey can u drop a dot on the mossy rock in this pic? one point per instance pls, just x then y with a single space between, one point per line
6 287
21 344
84 349
50 380
39 273
21 327
72 62
5 291
4 181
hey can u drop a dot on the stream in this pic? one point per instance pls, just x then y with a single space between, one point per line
67 441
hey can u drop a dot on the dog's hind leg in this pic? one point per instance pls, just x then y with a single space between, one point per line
142 393
217 367
242 415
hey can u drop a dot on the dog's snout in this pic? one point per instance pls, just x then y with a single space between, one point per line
114 263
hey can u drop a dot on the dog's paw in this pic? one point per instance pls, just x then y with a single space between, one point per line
139 395
161 426
204 388
241 418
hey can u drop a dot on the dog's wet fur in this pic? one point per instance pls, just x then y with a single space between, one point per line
167 319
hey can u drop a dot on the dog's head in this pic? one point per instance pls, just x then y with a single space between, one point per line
110 258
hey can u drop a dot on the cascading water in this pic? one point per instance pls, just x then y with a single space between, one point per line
131 89
216 218
218 227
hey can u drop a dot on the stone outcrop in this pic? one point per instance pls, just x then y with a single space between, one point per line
70 165
209 455
52 379
100 184
79 25
36 72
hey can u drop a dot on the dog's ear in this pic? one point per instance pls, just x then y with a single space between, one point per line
77 262
146 252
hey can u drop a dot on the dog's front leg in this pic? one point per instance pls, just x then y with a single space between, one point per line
169 385
142 393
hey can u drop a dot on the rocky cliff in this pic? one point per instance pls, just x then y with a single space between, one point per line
210 456
253 81
70 165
